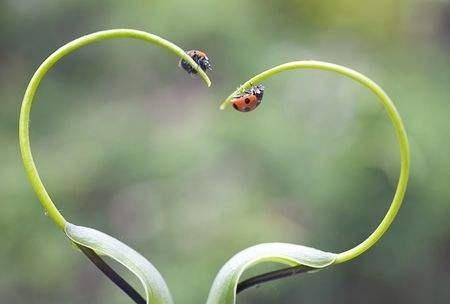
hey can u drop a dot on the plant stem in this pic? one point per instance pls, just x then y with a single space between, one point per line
395 120
112 274
271 276
24 120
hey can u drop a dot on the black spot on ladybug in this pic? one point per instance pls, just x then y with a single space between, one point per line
248 100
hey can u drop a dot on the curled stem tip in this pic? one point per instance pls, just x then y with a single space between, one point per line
394 118
24 120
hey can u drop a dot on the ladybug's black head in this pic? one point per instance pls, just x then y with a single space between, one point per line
258 91
203 62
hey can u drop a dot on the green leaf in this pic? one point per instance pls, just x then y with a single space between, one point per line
223 290
156 290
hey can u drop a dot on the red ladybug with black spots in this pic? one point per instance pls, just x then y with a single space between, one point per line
200 58
249 100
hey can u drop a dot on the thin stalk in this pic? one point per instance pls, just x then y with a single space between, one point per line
24 136
24 120
112 274
272 276
395 119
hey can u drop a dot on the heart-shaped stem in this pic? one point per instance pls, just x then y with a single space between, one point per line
24 121
36 182
396 122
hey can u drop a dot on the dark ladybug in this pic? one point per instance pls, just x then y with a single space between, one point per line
248 100
200 58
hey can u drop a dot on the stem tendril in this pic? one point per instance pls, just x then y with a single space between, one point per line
24 120
395 120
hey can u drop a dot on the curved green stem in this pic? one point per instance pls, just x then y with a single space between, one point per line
395 119
70 47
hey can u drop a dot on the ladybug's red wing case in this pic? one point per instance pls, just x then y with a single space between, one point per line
198 53
245 103
249 100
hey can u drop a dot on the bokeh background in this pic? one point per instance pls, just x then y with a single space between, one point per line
128 143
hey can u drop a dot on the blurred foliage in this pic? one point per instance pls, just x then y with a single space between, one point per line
129 144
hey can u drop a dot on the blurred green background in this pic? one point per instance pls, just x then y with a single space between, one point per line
128 143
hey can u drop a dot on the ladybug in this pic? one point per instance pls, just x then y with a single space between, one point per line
200 58
248 100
